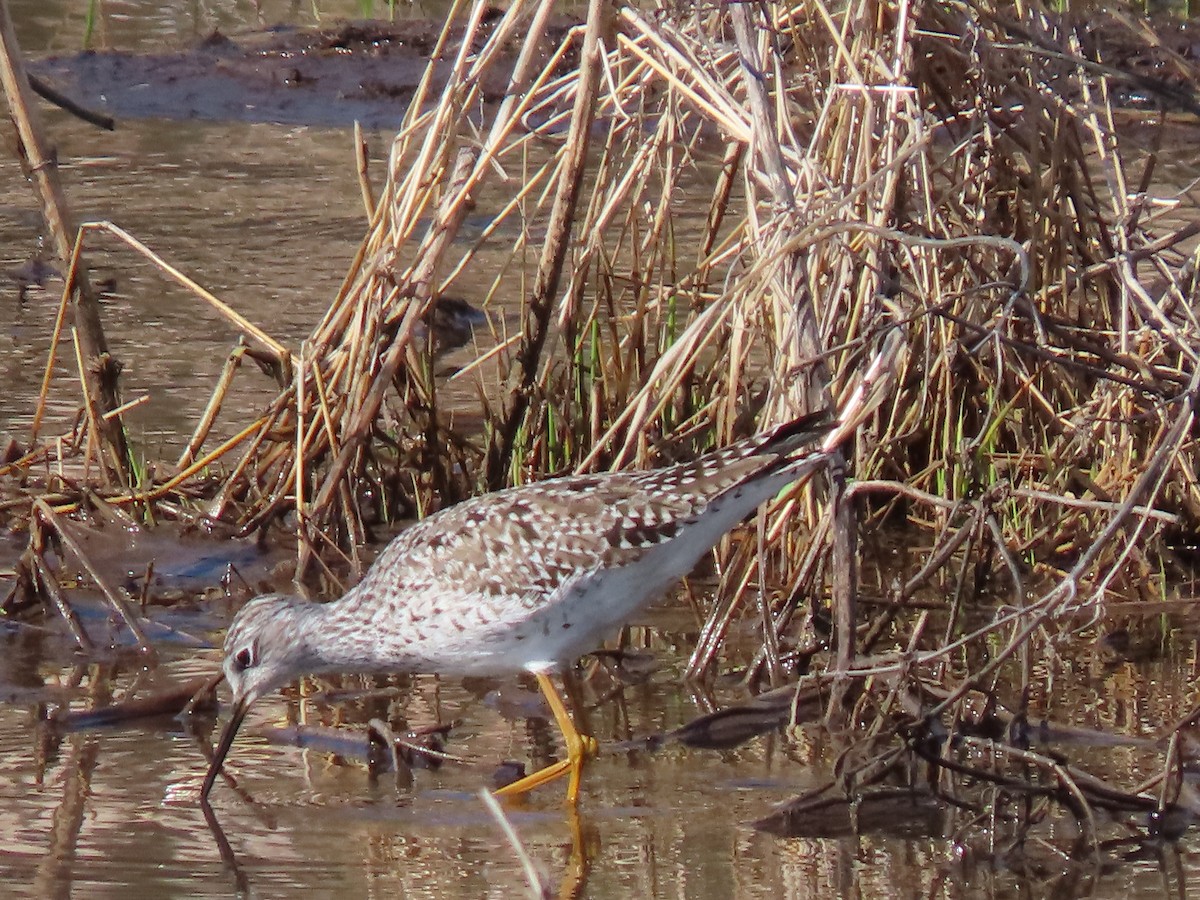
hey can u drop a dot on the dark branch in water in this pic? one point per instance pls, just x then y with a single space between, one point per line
59 99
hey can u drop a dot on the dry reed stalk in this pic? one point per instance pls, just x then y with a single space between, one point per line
263 348
55 338
111 594
101 372
361 160
89 407
539 305
381 303
267 345
882 273
213 408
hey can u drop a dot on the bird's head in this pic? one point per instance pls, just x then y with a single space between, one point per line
265 648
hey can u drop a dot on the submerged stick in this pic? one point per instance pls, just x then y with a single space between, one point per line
117 602
61 606
62 101
169 702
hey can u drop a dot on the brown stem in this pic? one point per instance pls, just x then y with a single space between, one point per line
101 369
554 252
46 92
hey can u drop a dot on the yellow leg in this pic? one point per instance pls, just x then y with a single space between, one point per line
580 748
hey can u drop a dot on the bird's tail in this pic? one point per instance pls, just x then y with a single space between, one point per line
782 453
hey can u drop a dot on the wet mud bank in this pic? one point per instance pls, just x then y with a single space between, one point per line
365 72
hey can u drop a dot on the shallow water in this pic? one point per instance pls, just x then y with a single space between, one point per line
268 217
114 810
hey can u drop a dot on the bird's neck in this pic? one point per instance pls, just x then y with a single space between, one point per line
340 636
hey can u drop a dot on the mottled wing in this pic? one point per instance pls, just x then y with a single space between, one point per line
515 548
520 545
714 473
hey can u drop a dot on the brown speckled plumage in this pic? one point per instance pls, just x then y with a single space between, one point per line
529 577
526 578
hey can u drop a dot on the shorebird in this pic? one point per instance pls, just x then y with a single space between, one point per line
528 578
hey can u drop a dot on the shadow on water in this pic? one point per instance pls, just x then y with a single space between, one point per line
240 882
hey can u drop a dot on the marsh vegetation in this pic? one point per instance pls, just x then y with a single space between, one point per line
704 219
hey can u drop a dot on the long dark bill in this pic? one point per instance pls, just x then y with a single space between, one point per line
227 736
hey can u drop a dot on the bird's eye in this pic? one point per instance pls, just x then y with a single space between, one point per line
244 659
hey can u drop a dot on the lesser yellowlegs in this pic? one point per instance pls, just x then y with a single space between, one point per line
525 578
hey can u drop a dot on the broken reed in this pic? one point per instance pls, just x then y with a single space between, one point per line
740 237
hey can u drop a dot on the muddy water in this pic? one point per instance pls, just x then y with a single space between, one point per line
113 811
218 202
268 217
